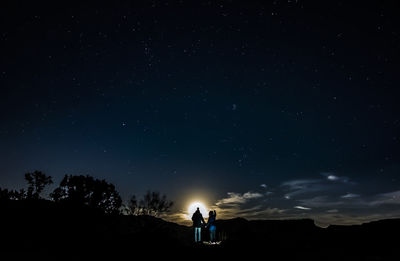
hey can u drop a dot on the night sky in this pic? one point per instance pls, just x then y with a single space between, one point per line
269 109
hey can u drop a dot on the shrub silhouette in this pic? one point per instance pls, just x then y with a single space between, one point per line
6 194
133 207
152 204
37 181
85 190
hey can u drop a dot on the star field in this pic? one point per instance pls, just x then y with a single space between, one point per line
209 98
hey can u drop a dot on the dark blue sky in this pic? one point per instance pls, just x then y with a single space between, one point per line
201 100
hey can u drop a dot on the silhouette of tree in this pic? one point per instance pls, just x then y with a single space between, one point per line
6 194
88 191
152 204
133 207
37 181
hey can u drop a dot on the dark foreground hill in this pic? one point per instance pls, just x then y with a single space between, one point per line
43 229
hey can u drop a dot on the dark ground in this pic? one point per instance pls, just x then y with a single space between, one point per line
42 229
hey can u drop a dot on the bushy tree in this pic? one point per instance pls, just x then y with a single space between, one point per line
152 204
133 207
6 194
88 191
37 181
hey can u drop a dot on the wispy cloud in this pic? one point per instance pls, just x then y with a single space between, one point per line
332 211
386 198
320 202
237 198
302 208
300 183
250 205
333 177
301 186
350 195
311 187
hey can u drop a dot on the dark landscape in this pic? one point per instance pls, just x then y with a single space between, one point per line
43 229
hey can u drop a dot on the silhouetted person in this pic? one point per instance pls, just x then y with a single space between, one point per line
198 220
212 215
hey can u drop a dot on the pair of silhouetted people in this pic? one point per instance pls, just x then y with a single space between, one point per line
198 222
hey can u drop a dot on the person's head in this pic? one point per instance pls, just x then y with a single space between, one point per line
210 213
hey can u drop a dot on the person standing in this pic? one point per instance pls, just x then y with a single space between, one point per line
198 221
212 215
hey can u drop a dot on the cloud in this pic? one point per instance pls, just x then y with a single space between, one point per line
263 185
302 208
180 218
233 198
330 184
263 213
350 195
300 183
250 195
386 198
237 198
249 205
332 177
301 186
320 202
332 211
351 201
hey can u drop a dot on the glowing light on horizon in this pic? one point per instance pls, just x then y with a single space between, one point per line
193 207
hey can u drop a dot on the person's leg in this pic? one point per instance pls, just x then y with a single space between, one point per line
199 234
212 233
196 233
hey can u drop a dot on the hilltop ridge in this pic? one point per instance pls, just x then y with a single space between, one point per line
42 226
